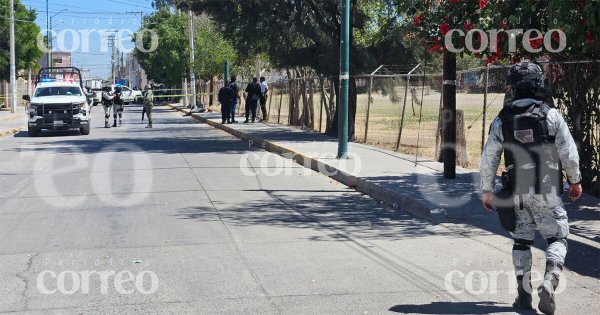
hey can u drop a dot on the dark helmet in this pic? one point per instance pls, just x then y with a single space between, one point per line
118 89
106 88
233 78
526 76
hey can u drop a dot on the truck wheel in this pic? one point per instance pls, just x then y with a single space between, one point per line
85 130
33 131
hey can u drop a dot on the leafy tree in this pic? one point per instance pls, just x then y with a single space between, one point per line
305 34
212 50
169 63
575 86
26 31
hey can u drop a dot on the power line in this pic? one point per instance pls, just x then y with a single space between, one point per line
77 7
133 5
16 20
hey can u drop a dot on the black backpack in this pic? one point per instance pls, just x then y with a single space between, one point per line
530 153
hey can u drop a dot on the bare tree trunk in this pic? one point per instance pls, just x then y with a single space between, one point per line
212 91
311 107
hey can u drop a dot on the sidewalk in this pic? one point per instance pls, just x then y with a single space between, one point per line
12 123
418 188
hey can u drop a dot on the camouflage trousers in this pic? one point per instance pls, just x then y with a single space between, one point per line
148 108
546 214
107 110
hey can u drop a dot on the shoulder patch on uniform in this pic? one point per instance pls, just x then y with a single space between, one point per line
524 136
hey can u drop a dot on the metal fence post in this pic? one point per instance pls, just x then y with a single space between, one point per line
270 102
322 99
485 96
368 107
404 106
280 101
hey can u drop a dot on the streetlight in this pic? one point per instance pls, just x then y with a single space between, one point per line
50 27
13 66
344 81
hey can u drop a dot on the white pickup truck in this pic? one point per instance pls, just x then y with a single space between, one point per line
59 102
129 95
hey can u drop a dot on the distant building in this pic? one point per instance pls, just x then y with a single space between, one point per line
59 59
134 75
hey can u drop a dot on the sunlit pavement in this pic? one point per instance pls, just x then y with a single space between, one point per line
183 218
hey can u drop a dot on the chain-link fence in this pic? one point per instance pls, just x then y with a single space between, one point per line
401 112
396 112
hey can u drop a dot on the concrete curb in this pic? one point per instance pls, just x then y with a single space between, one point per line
393 198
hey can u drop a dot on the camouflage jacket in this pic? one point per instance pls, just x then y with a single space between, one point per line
148 97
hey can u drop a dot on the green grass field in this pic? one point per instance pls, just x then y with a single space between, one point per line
418 136
385 117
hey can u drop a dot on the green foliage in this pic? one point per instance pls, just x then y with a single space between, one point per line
580 20
26 31
306 33
169 63
212 50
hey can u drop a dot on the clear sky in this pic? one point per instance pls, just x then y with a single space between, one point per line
98 18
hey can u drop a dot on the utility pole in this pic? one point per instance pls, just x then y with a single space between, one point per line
344 81
141 13
13 67
449 116
111 44
48 39
192 60
226 76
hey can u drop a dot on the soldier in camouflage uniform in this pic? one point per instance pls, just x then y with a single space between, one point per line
535 191
148 103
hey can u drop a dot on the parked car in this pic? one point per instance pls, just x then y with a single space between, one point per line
129 95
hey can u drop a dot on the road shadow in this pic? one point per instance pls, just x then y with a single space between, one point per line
335 213
458 201
49 134
457 308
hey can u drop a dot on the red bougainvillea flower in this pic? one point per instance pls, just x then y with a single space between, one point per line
536 43
590 38
444 28
418 20
468 26
555 37
483 3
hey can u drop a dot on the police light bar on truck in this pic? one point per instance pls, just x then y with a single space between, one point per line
59 74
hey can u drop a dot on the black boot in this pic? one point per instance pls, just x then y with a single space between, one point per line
523 301
115 123
547 304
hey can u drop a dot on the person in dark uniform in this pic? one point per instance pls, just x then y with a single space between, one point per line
118 106
107 103
253 93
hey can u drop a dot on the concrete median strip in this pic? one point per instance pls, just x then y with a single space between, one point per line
393 198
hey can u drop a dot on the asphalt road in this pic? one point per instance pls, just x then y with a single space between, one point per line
183 218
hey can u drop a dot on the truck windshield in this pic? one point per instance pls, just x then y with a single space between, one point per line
58 91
